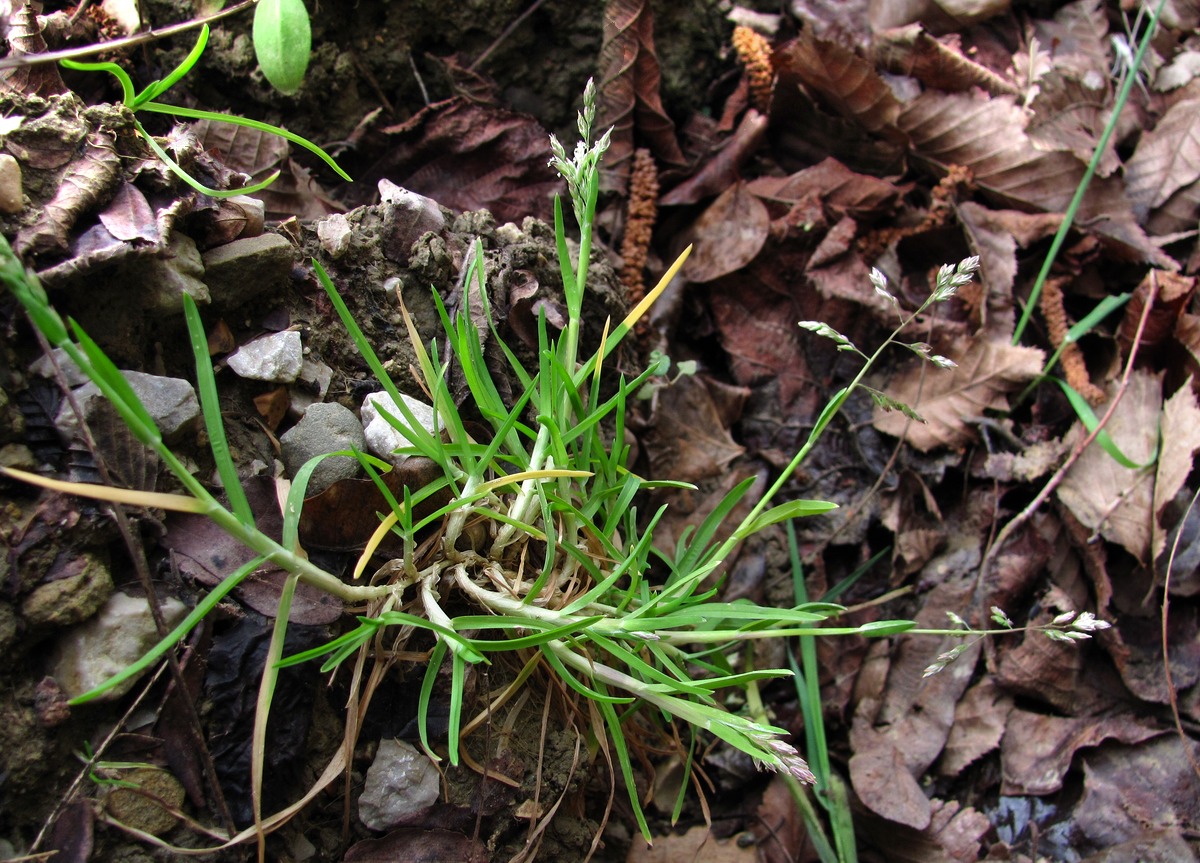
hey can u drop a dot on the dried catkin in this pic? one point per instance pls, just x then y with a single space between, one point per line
755 53
1074 368
639 226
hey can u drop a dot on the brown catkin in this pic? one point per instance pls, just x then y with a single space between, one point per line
1074 368
639 226
754 51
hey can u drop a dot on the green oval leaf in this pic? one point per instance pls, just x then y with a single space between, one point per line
282 42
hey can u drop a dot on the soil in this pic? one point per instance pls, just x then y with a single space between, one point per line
392 87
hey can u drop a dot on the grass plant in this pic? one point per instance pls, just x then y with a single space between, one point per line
147 100
544 536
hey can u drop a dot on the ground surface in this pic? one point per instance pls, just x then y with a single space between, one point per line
902 138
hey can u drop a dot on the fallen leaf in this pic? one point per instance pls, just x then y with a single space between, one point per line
1109 498
910 50
987 371
413 845
843 192
129 216
468 156
1129 789
979 722
629 92
697 845
841 79
1070 115
937 15
1180 434
722 169
1038 749
689 441
728 235
1167 157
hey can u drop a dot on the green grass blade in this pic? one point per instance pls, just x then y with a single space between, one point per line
1087 416
157 88
210 406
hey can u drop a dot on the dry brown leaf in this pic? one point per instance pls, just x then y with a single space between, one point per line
1108 498
1077 37
841 79
629 91
842 191
697 845
997 251
1069 115
938 15
1132 789
987 135
728 235
897 736
689 443
1037 749
1167 158
987 371
1180 441
723 168
979 722
911 51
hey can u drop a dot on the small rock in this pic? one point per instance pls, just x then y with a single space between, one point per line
164 280
277 358
89 654
325 428
311 386
242 270
383 439
82 587
407 216
17 455
171 402
43 368
140 811
12 192
335 233
401 780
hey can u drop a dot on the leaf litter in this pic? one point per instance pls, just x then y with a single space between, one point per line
791 208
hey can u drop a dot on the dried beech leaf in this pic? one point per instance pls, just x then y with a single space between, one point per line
1180 441
1069 115
911 51
987 134
694 444
979 724
1038 749
842 191
1106 497
997 251
728 235
129 216
841 79
987 371
472 157
1077 37
25 37
1167 158
629 91
723 169
938 15
87 183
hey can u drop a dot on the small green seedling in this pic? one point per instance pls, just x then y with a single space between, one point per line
146 100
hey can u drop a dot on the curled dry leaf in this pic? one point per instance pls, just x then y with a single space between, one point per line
841 79
840 190
629 91
912 51
937 15
1167 158
728 235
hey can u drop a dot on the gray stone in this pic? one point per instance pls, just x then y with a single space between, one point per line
80 593
89 654
171 403
401 780
42 367
335 233
407 217
240 271
311 386
324 428
277 357
383 439
12 191
164 280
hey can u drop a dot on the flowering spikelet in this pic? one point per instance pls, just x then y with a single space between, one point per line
755 53
1074 368
639 226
